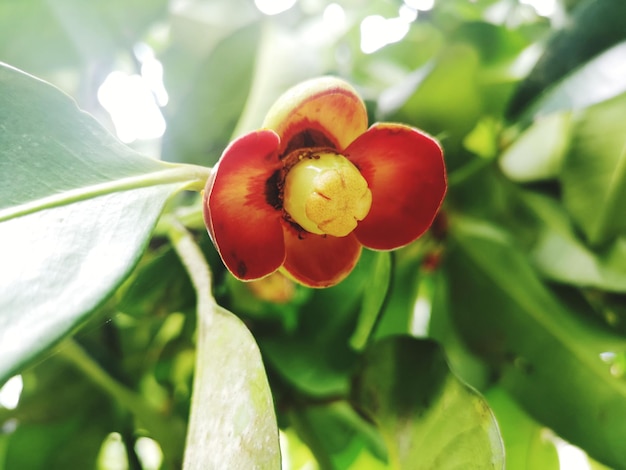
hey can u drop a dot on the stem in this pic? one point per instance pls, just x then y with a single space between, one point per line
191 177
464 173
192 258
196 265
162 428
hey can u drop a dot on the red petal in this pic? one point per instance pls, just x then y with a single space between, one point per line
321 112
244 227
320 261
406 174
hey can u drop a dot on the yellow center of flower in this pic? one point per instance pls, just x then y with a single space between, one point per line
326 194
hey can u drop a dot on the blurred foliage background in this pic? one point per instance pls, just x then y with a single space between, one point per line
518 292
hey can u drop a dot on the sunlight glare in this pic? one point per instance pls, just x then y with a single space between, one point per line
274 7
132 107
284 446
113 454
542 7
420 319
149 452
571 457
10 392
334 17
133 101
407 14
152 72
608 356
377 32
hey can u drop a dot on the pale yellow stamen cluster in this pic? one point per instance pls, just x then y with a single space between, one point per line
326 194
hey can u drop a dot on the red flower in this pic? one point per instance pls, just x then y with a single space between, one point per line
312 187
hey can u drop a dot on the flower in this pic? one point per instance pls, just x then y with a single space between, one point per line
315 184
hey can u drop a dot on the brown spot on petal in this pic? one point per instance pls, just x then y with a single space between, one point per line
242 269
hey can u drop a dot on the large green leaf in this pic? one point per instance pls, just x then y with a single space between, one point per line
594 171
158 286
526 442
336 434
599 79
441 328
558 366
43 36
595 26
395 317
538 153
434 99
76 210
233 423
428 418
57 406
373 300
560 255
316 357
208 91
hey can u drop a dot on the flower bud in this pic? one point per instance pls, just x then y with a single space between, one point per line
326 194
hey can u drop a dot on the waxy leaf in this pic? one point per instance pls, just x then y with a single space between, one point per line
41 37
595 26
598 80
76 210
208 91
233 423
538 153
58 405
337 435
557 365
594 172
527 443
428 417
317 357
373 300
425 97
560 255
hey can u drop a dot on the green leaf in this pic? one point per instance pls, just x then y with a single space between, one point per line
598 80
208 94
441 328
594 172
538 153
560 255
43 37
526 442
500 48
373 299
396 317
336 434
556 365
317 357
595 26
76 210
497 44
233 422
611 308
159 286
57 406
424 99
428 418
